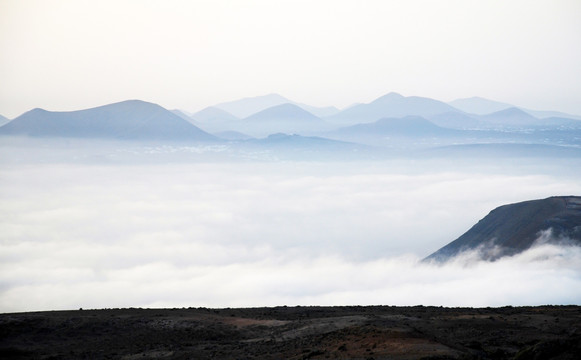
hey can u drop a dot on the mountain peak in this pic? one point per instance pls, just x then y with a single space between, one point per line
250 105
130 119
392 96
512 111
283 111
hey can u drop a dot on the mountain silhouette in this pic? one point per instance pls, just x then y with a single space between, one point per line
514 228
479 106
213 114
3 120
132 120
405 126
284 118
392 105
510 117
408 131
455 120
245 107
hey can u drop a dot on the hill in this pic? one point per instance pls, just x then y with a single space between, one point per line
511 117
511 229
406 126
3 120
455 120
479 106
133 119
245 107
287 118
213 114
307 148
392 105
302 332
414 131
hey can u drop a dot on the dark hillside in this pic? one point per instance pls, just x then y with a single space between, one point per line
348 332
514 228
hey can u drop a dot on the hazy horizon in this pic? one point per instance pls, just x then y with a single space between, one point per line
99 232
193 54
134 206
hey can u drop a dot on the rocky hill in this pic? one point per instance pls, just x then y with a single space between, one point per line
511 229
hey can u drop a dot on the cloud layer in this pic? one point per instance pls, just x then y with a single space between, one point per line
265 234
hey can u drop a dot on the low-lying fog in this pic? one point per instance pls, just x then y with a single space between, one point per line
232 234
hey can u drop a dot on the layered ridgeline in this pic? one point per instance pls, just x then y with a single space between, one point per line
245 107
285 118
131 120
392 105
511 229
390 121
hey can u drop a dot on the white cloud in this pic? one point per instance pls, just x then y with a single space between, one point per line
265 234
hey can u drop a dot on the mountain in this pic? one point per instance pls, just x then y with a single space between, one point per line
182 114
251 105
551 114
455 120
286 118
411 126
410 132
318 111
511 117
213 120
213 114
392 105
515 118
479 106
3 120
564 123
511 229
133 119
306 148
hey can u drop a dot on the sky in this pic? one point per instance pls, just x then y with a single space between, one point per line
75 54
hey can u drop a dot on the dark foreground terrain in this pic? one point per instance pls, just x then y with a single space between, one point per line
378 332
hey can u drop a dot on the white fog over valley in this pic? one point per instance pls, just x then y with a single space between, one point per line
229 234
265 153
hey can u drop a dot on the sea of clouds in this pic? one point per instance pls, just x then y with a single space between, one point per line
269 233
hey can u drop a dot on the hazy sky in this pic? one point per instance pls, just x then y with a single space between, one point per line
66 55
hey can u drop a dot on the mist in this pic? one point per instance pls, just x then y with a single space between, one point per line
102 234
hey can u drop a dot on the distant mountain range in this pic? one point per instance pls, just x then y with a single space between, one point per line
511 229
480 106
132 120
376 123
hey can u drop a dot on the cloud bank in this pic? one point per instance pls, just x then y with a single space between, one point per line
259 234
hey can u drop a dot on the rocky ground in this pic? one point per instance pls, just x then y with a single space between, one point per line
372 332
